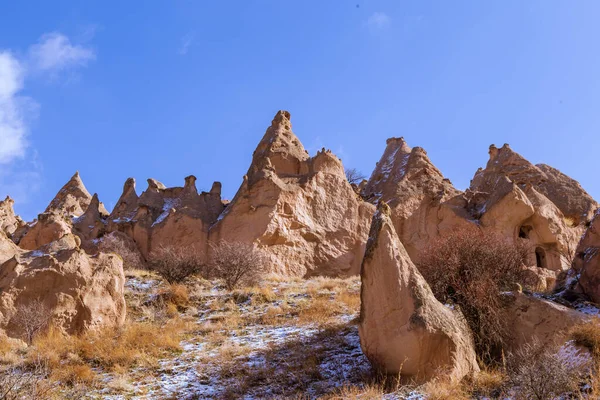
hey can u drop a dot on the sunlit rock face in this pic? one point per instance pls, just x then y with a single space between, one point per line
301 210
403 328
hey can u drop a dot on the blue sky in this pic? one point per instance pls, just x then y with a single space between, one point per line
173 88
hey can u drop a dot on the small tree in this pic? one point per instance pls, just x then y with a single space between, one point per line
471 268
32 318
114 243
237 263
175 264
354 176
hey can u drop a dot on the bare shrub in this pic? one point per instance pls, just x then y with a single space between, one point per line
114 243
237 263
31 384
354 176
32 318
539 373
471 268
175 264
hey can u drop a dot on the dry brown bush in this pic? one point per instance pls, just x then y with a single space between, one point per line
175 264
32 318
471 268
114 243
537 372
237 264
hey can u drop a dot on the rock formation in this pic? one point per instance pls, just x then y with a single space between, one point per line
526 202
162 216
79 291
72 199
9 222
48 228
301 210
403 328
534 205
587 261
532 319
424 204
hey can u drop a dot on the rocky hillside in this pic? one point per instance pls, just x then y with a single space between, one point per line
154 280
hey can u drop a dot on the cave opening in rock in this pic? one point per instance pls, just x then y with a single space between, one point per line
524 231
540 257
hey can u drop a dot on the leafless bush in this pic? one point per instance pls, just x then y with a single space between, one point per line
175 264
19 384
32 318
354 176
471 269
114 243
237 263
539 373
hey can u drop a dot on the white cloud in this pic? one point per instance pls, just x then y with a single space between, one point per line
20 171
186 42
379 20
12 122
54 52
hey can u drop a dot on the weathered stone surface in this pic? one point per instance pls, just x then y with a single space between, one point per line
403 328
162 216
587 261
510 196
48 228
424 204
301 210
9 222
72 199
534 319
80 291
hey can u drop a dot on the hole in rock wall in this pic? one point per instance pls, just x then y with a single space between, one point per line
540 257
524 231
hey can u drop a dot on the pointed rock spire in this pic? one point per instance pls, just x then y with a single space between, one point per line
403 328
127 203
403 172
279 150
72 199
506 162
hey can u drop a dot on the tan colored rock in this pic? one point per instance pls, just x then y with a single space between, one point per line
534 319
509 197
300 210
587 261
48 228
568 195
7 248
81 292
403 328
162 216
9 222
424 204
91 224
72 199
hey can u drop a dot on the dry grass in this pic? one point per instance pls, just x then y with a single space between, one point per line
367 392
488 383
176 294
588 336
74 374
110 348
318 311
442 389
